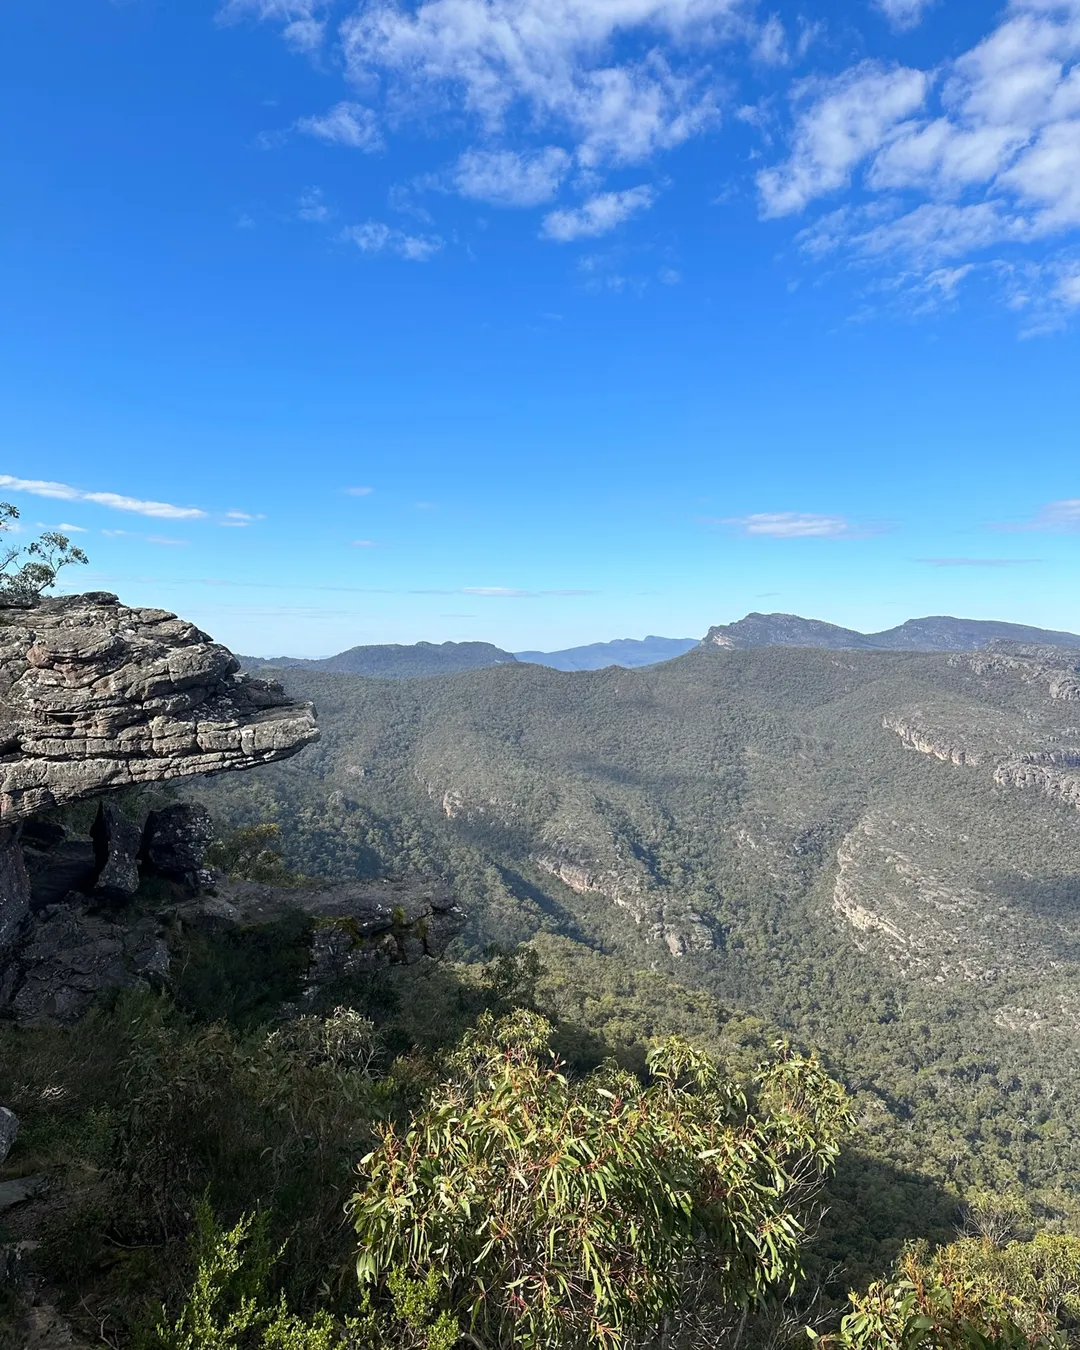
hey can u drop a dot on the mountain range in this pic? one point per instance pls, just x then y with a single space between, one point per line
877 851
394 661
933 634
627 652
938 633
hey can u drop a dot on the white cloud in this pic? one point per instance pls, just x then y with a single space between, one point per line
771 47
364 543
375 237
1068 289
598 215
68 528
359 491
793 525
507 178
239 520
996 162
313 208
841 122
904 14
349 124
64 492
556 61
303 28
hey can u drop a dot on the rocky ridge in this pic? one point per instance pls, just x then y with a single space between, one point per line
100 702
1022 754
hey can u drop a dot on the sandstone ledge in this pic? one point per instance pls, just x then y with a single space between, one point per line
95 695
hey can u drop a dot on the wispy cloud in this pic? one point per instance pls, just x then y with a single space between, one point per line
509 178
375 237
1061 517
512 592
499 59
978 562
969 158
904 14
797 525
364 543
599 215
239 520
303 28
113 500
359 491
312 207
349 124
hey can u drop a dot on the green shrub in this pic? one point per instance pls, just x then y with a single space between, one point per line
970 1295
560 1213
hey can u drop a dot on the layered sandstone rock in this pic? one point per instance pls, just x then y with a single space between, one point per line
95 695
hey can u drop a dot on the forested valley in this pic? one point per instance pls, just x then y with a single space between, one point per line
760 1029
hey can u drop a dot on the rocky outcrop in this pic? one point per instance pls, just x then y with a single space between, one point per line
931 742
1031 773
900 898
76 951
14 887
95 695
357 927
1057 670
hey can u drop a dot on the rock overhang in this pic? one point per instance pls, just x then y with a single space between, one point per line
97 695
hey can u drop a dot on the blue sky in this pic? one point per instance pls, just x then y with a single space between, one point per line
546 321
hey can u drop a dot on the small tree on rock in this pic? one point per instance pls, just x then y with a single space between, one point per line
26 572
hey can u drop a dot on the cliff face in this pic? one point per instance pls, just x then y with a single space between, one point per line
95 695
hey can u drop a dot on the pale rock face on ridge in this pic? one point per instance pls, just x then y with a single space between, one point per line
95 695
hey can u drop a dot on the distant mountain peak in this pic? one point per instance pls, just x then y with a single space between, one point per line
935 633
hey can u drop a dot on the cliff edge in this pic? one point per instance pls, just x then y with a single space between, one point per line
95 695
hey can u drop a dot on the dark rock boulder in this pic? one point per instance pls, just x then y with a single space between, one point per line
74 952
9 1131
117 841
14 887
175 842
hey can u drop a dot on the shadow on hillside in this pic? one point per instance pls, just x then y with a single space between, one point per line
1047 897
873 1209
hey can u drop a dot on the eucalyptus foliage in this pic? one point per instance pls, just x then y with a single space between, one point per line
586 1213
26 572
971 1295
